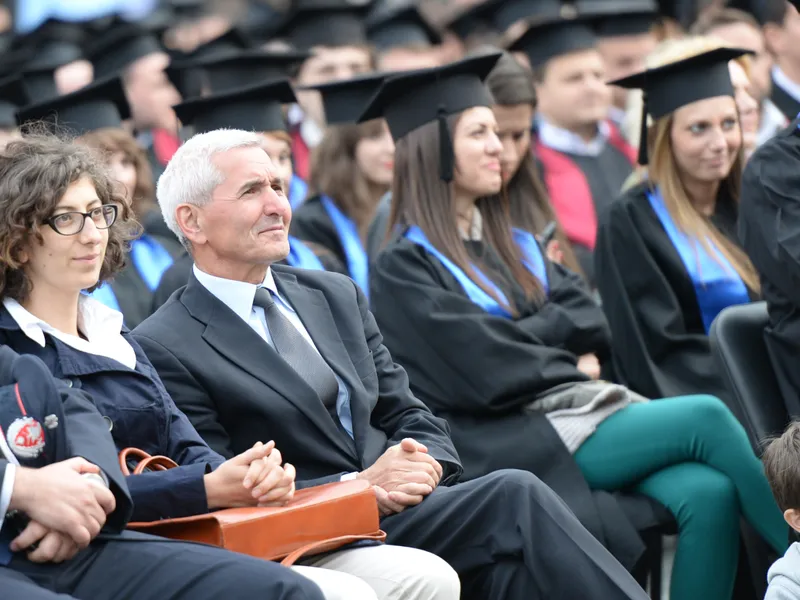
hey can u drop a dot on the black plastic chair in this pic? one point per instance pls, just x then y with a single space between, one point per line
737 342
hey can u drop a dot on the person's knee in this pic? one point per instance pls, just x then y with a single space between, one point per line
337 585
434 579
710 500
252 577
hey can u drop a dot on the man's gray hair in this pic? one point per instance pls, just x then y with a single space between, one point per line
191 175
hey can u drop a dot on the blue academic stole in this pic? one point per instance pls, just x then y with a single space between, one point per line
716 283
298 190
150 259
357 261
302 257
533 260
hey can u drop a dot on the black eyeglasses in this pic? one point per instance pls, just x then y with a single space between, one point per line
71 223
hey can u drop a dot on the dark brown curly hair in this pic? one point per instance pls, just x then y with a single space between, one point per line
35 172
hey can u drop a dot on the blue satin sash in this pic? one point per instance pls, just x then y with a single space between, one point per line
298 190
716 283
151 260
302 257
357 261
534 262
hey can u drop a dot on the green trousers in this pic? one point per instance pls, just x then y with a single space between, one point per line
691 455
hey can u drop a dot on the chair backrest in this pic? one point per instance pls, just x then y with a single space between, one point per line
737 342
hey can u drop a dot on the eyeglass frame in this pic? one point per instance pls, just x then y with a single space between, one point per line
85 215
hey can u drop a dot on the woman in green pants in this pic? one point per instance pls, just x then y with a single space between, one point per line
508 346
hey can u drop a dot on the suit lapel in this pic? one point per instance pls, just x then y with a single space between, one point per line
315 313
239 344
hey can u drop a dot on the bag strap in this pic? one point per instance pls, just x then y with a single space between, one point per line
144 462
335 542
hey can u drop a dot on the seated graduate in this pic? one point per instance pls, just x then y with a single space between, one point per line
60 483
259 108
583 157
667 258
514 95
250 348
95 114
351 170
62 192
769 220
504 344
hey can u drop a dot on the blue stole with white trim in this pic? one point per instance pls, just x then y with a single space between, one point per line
716 283
298 190
533 261
357 261
302 257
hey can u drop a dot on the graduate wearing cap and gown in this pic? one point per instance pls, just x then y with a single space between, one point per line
320 220
582 177
318 27
769 221
137 51
499 360
102 105
254 108
661 288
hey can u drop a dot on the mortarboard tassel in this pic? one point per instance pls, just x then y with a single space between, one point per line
446 156
643 133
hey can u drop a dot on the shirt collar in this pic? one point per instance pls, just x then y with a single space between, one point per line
563 140
790 87
311 133
95 320
236 295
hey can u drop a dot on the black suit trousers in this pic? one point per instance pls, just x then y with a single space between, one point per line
511 537
148 568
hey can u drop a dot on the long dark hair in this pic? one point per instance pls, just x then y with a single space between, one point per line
420 197
334 172
511 84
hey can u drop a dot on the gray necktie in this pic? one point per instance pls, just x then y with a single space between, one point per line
298 353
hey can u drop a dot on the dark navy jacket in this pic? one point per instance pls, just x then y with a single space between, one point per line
140 413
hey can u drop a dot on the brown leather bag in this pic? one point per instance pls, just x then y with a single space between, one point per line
318 519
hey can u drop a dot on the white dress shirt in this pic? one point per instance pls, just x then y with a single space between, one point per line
101 325
568 142
782 79
239 296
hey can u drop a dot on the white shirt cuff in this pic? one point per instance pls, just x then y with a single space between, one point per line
6 490
349 476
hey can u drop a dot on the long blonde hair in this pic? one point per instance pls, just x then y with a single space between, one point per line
664 173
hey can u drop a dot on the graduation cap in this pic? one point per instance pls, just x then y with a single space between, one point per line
240 69
410 100
231 42
469 22
253 108
549 37
671 86
504 13
392 25
12 97
344 101
98 105
121 44
330 23
620 17
54 41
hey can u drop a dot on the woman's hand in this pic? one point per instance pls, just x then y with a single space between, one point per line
589 365
554 252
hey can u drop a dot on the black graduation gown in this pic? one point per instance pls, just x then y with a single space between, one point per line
785 102
133 296
480 371
177 275
311 223
605 175
661 348
769 229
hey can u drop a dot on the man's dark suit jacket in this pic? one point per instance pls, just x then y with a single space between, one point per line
237 390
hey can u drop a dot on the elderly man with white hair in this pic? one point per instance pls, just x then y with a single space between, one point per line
254 350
